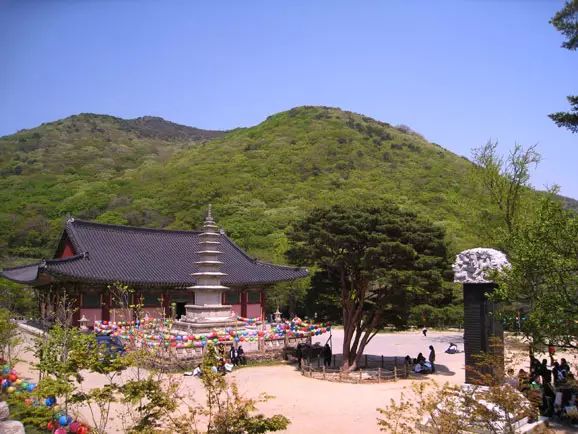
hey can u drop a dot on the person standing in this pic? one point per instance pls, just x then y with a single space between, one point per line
299 354
233 355
432 358
327 354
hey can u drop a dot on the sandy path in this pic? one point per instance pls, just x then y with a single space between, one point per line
315 405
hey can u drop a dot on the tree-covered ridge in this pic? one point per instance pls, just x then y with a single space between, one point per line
260 180
44 168
89 143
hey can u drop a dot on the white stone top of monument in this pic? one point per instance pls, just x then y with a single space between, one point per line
471 265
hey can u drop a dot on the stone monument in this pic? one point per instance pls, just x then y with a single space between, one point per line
207 312
483 332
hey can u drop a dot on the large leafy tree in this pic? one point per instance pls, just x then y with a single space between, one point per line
544 273
383 261
540 238
566 22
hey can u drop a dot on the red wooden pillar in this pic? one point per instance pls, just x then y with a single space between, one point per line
166 303
244 303
105 313
263 304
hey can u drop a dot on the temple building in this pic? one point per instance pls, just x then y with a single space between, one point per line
198 276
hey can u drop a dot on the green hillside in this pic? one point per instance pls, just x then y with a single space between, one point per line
45 168
149 172
261 179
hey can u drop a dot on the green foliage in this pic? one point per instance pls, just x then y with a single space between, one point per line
384 260
568 119
8 335
259 179
566 22
506 181
544 273
227 411
323 297
426 315
61 355
68 166
18 300
32 416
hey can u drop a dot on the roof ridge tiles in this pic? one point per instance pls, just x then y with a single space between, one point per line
72 222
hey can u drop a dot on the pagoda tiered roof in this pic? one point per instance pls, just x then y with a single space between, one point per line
103 253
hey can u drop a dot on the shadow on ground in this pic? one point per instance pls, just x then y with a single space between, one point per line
388 363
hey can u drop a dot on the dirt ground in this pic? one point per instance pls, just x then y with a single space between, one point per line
322 406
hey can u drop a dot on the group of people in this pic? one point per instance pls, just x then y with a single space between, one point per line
420 364
236 356
226 360
326 353
552 388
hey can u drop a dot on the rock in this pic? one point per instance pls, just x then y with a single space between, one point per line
471 265
4 411
11 427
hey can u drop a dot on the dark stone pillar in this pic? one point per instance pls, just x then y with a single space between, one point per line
483 334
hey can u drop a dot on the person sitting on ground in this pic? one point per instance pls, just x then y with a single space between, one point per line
241 355
197 372
221 350
221 366
420 359
228 367
408 360
511 378
523 380
424 331
452 349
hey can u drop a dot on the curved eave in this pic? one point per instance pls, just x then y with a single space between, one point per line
32 275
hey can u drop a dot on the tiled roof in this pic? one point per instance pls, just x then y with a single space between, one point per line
141 256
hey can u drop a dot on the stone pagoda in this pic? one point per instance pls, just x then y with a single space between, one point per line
208 312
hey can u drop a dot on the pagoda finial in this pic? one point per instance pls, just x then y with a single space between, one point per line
209 213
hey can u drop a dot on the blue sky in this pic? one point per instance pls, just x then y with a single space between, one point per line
460 72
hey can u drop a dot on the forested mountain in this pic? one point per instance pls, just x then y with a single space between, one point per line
149 172
42 168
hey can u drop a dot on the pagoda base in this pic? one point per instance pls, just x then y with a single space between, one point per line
206 318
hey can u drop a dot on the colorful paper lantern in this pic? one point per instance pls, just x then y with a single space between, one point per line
64 420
